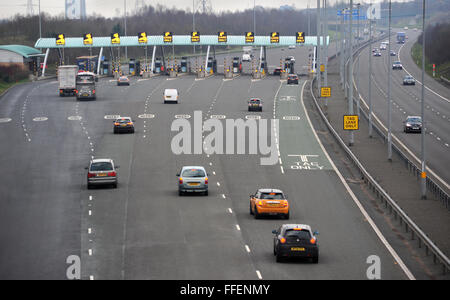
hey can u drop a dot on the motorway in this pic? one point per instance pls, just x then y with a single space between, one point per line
143 229
406 101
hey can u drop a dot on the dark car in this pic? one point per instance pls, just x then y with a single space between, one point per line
292 79
123 124
409 80
413 124
295 240
255 104
277 71
397 65
377 53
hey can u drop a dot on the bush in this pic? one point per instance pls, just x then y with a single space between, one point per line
12 72
437 43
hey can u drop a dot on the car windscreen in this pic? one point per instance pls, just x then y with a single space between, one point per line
123 120
85 79
101 166
193 173
414 120
297 234
272 196
255 101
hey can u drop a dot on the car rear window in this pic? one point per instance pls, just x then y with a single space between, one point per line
193 173
274 196
123 120
255 100
297 234
101 166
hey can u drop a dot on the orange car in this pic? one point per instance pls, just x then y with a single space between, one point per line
269 202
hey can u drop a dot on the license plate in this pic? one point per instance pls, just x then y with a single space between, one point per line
255 105
123 125
194 183
102 174
297 249
85 95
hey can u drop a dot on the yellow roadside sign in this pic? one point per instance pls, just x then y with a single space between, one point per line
250 37
167 37
222 36
322 68
274 38
195 37
325 92
300 37
351 122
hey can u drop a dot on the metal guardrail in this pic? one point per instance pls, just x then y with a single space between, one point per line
389 203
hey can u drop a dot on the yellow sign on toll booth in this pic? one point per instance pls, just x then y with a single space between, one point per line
351 122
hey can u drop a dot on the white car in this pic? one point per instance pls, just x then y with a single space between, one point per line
292 47
246 57
171 95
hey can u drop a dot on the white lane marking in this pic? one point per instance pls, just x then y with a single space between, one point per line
223 196
111 117
230 210
91 277
355 199
89 230
90 252
258 274
5 120
182 116
146 116
252 117
247 248
90 198
238 228
282 169
218 183
90 212
218 116
74 118
291 118
40 119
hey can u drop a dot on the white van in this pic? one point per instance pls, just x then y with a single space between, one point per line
170 95
246 57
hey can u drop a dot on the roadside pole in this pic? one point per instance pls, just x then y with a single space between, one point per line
319 55
350 72
389 87
370 73
325 35
423 180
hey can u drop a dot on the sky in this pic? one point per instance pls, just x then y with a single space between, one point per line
110 8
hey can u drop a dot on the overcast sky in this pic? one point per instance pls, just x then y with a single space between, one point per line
110 8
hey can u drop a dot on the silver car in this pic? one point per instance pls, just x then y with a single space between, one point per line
102 172
192 179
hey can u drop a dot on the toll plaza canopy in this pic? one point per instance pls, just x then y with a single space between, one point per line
176 40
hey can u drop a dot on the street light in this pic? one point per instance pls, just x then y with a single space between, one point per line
423 183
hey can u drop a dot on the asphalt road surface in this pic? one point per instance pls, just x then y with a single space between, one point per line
143 229
407 102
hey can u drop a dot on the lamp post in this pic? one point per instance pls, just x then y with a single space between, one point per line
423 183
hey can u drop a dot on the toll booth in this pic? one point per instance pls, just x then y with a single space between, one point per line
132 67
106 67
289 66
138 68
184 64
263 65
212 65
87 63
236 64
157 67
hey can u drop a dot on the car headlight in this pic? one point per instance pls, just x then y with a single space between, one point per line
408 124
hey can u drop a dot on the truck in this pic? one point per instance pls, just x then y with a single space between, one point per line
85 85
401 37
67 80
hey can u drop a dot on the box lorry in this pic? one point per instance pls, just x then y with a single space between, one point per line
67 80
